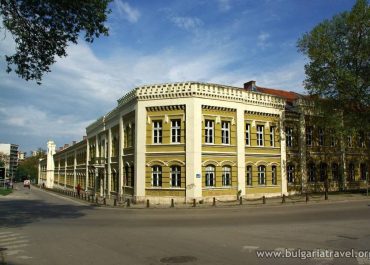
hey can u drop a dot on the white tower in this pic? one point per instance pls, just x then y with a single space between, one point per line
50 165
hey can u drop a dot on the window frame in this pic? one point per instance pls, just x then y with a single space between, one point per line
261 175
157 176
247 134
175 174
272 136
226 176
249 175
209 131
157 139
260 135
210 176
176 131
225 133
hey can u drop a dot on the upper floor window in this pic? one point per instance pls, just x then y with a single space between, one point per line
260 135
321 137
349 141
209 131
333 141
132 134
247 134
261 175
273 175
289 136
226 176
210 176
290 173
272 136
249 175
361 139
157 176
309 136
175 131
225 132
157 132
176 176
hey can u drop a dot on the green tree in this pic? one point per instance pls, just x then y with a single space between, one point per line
29 166
338 70
43 30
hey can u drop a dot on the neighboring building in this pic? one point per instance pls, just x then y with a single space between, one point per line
198 141
21 156
10 153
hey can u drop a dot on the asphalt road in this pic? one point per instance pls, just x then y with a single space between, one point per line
40 228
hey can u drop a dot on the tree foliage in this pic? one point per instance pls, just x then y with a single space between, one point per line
28 168
338 70
43 29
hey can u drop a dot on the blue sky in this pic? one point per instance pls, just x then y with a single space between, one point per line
219 41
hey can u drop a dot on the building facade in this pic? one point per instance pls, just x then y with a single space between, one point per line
9 153
195 140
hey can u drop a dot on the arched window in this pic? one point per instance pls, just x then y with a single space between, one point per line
249 175
335 172
273 175
261 175
176 176
210 176
226 176
351 172
290 173
157 176
127 176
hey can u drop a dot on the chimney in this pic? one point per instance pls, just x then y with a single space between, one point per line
250 86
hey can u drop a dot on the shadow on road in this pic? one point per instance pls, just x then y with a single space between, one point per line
18 213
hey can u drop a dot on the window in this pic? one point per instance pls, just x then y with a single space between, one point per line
132 134
260 135
225 132
289 136
272 136
321 137
127 176
349 141
226 176
261 175
323 172
249 175
133 176
335 171
273 175
351 172
333 141
176 176
363 171
210 176
311 172
247 134
157 176
309 136
361 139
175 131
209 131
290 173
157 132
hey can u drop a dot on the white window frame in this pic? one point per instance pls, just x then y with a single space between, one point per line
290 173
226 176
272 136
176 131
210 176
225 132
157 132
260 135
309 136
156 176
261 175
289 136
175 176
247 134
209 131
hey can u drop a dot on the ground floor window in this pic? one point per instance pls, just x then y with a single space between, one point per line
335 172
261 175
175 176
210 176
290 173
273 175
157 176
226 176
311 171
363 171
249 175
351 172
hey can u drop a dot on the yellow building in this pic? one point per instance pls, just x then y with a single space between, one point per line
193 140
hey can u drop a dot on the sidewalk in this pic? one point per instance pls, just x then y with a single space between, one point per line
260 202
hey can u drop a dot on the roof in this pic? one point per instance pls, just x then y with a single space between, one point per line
288 95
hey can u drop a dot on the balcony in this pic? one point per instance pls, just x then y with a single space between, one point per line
98 160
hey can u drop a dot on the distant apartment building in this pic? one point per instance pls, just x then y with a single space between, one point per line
9 153
196 140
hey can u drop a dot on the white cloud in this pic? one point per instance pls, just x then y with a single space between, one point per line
187 23
224 5
126 11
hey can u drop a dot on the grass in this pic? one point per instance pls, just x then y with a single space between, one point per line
4 192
